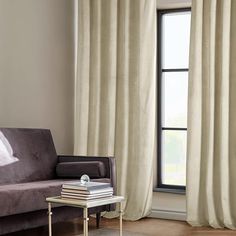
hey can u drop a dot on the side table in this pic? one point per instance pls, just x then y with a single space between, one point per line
85 204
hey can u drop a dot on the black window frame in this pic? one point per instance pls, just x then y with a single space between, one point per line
160 186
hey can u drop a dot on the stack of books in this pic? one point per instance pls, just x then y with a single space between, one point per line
88 191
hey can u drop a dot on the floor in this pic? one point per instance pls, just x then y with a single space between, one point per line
148 226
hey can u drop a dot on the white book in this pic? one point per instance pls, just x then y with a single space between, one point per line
84 198
86 192
88 186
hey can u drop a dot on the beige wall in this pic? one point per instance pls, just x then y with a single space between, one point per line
37 67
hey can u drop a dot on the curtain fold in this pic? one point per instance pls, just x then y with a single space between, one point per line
115 92
211 152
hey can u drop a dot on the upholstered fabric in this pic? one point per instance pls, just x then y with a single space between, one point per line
35 152
109 164
28 175
94 169
26 197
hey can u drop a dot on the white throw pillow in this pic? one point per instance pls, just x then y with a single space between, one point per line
6 152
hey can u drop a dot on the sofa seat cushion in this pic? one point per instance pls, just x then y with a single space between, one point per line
26 197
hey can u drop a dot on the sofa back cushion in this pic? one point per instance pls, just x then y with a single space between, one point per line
26 155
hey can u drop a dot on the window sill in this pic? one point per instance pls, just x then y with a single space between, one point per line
170 190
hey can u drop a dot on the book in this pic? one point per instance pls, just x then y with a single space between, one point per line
88 192
86 196
83 198
88 186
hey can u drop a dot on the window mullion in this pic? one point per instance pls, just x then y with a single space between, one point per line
165 133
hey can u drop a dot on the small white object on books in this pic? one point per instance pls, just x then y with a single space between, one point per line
84 179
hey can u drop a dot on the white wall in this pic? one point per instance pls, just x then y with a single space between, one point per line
37 67
169 205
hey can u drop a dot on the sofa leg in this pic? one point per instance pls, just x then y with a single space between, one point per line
98 219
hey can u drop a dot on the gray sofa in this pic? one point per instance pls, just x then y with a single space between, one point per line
30 171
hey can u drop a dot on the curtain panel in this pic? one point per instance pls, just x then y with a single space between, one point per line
115 92
211 158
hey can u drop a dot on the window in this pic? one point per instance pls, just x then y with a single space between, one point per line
173 50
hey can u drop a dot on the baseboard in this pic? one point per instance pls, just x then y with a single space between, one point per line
168 215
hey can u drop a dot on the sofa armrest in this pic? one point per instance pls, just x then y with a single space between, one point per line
108 162
75 169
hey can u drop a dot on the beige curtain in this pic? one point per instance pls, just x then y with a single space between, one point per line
115 92
211 177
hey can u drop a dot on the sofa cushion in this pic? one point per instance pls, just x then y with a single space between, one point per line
32 155
26 197
94 169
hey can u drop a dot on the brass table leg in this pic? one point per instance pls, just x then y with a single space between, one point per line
86 221
50 219
121 212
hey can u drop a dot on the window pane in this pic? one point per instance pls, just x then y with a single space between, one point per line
175 93
174 157
176 35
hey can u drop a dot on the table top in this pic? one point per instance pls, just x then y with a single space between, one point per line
85 203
